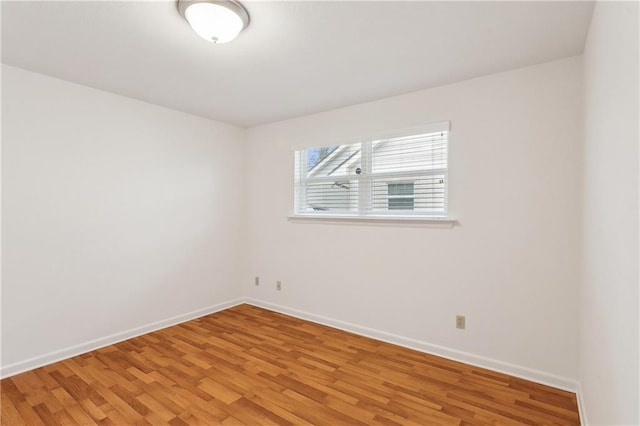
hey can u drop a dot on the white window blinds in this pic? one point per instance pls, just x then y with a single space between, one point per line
399 175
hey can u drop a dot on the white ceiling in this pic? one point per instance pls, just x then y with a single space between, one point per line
295 58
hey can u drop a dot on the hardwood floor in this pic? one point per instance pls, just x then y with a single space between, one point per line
251 366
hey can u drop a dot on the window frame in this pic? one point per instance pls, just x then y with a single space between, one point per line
365 210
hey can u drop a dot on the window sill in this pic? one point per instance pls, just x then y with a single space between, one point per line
407 221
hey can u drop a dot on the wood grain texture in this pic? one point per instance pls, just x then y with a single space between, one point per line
247 365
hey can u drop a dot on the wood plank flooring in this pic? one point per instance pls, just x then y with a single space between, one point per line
251 366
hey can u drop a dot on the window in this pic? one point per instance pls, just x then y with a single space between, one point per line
400 196
404 174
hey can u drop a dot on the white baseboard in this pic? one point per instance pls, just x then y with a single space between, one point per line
537 376
581 407
59 355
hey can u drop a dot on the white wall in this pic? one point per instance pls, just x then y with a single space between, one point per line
512 265
116 214
609 292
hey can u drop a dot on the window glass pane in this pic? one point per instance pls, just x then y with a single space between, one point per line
427 194
316 155
411 153
337 196
341 160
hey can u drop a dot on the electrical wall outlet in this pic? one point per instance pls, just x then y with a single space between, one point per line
257 281
460 322
278 285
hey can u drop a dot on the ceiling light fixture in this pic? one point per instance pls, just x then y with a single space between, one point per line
217 21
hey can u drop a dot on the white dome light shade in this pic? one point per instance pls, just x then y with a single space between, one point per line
215 21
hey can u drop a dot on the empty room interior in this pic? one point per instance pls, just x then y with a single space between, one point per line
320 212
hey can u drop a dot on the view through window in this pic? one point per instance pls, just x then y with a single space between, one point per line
403 175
